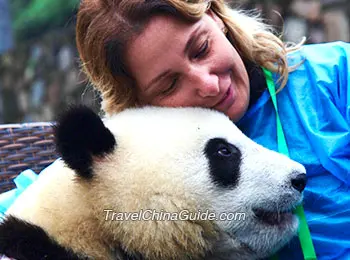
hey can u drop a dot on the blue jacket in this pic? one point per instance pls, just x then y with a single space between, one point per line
314 109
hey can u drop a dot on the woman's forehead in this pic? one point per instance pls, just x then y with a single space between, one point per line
157 33
163 36
162 41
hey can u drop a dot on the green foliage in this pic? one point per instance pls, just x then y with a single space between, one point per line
17 6
33 17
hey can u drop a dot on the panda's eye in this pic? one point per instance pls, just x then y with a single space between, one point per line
224 151
224 162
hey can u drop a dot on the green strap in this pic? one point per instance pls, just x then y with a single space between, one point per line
304 232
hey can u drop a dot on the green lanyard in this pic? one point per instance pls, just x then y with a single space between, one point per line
304 232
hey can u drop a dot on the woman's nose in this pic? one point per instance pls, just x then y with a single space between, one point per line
206 84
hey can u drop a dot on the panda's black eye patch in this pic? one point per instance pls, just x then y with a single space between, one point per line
224 160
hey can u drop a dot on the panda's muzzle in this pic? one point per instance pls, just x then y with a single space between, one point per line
281 217
273 218
269 217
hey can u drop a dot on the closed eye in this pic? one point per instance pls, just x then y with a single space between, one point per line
202 50
171 87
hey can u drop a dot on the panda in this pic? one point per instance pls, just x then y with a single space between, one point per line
190 169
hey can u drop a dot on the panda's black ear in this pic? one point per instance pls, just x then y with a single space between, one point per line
79 135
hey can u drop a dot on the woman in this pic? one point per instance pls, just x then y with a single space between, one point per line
202 53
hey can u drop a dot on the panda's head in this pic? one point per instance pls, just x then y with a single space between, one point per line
159 180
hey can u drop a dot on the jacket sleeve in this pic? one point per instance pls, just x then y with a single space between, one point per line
328 71
341 90
330 65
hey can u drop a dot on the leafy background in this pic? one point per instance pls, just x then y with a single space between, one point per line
34 17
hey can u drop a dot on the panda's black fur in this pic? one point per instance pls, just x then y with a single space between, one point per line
80 134
22 240
159 158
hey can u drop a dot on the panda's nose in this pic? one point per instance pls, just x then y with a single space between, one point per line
299 182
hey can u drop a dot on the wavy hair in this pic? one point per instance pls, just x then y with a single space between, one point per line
105 27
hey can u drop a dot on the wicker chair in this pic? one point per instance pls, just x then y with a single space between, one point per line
24 146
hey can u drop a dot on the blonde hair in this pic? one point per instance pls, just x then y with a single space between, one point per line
104 28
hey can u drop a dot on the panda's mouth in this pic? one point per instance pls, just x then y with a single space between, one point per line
273 218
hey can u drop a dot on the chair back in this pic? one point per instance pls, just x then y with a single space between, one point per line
24 146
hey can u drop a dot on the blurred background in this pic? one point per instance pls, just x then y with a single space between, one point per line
39 66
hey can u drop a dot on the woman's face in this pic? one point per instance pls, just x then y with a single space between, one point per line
180 64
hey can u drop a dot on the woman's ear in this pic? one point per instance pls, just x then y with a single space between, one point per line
217 19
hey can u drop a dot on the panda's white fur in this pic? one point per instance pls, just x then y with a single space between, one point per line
160 162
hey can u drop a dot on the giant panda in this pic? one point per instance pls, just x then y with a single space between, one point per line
155 160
